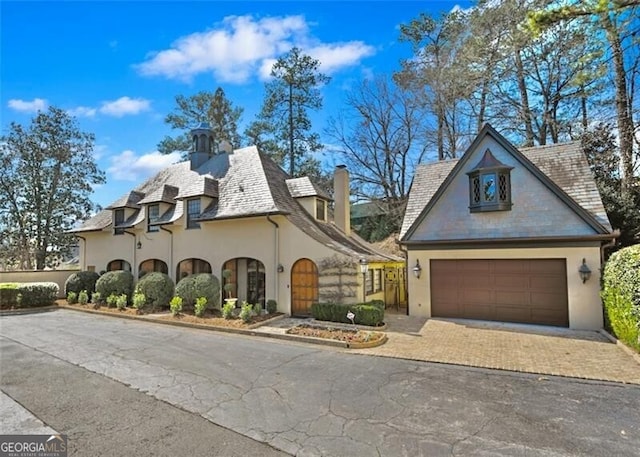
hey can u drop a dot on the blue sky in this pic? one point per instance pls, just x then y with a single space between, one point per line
117 66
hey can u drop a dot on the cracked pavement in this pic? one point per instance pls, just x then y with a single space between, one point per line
317 401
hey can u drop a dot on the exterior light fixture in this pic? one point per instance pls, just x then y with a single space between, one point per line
280 268
417 270
139 245
364 267
585 271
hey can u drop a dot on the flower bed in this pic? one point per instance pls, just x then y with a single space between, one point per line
340 334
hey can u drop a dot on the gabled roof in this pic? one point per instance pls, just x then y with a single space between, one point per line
304 187
562 168
249 184
163 194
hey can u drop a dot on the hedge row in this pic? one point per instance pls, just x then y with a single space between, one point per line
621 295
28 294
370 313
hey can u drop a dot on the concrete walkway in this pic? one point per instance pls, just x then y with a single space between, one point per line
524 348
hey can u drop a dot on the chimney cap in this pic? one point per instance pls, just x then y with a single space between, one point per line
341 166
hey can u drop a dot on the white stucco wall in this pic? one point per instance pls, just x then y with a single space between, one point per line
215 242
585 306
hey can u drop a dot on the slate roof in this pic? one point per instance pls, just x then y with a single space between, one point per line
303 187
129 200
564 163
163 194
248 184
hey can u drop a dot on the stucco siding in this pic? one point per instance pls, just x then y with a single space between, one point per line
585 306
536 211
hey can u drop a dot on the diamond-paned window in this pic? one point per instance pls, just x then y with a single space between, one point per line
490 185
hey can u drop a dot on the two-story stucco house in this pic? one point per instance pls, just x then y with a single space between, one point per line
507 234
238 211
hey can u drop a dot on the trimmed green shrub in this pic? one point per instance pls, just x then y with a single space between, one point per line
198 285
378 303
116 283
621 295
72 298
157 288
257 309
83 297
272 306
246 312
175 305
365 313
8 294
82 280
32 294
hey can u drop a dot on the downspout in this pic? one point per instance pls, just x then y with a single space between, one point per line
610 244
134 267
276 256
83 265
406 273
170 251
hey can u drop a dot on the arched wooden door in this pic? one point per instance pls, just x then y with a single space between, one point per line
304 287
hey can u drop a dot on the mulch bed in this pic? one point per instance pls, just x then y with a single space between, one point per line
348 335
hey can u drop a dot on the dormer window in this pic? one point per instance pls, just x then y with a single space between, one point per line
193 211
118 219
490 185
153 214
321 209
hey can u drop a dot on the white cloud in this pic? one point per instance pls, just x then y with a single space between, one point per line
82 111
125 105
127 166
241 47
33 106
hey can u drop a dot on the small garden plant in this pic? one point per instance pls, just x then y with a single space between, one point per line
272 306
200 306
83 297
111 300
246 312
121 301
96 299
227 310
72 298
139 301
175 305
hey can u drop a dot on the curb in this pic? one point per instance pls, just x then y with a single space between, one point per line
16 312
368 344
239 331
620 344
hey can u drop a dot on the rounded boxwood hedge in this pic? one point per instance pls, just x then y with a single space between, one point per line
199 285
82 280
115 282
157 288
621 295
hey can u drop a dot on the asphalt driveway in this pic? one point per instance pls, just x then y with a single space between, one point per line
311 400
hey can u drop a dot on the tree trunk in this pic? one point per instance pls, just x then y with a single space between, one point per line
291 153
625 123
524 98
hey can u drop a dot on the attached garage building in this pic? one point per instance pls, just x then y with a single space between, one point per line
500 234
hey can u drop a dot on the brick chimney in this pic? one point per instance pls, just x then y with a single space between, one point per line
341 193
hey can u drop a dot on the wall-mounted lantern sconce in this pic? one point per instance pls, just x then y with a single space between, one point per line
585 271
417 270
139 245
280 268
364 267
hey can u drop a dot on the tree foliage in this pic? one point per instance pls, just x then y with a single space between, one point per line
283 128
380 137
47 171
212 107
601 149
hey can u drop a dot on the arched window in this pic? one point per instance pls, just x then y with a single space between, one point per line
119 264
151 265
192 266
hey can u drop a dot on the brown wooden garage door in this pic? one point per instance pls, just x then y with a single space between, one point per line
514 290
